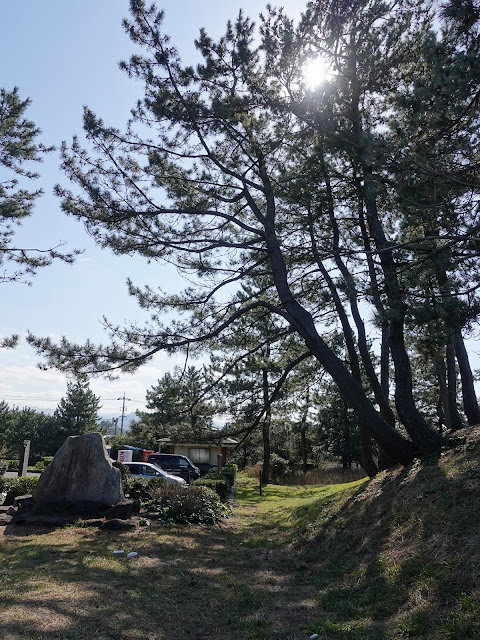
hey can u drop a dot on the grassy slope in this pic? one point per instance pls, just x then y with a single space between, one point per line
396 557
401 557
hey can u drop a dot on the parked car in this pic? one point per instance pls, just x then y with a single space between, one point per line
149 470
176 465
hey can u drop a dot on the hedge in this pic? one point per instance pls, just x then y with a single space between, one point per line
220 485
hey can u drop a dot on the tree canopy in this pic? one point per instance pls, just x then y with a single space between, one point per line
358 193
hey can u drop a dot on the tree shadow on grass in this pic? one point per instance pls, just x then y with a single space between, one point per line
194 582
399 559
376 569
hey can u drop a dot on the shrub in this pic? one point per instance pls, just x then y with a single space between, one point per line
3 467
279 467
17 486
195 505
230 472
43 463
142 488
219 484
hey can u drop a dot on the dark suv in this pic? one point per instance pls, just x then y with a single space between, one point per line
175 465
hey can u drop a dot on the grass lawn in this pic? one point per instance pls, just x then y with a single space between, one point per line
395 558
235 580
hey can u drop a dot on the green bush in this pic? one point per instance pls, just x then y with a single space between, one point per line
18 486
279 467
219 484
192 505
3 467
43 463
142 488
230 472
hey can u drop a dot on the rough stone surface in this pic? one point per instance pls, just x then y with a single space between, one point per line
92 522
5 519
119 525
80 472
43 520
23 503
122 510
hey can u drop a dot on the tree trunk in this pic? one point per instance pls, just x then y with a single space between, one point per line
302 322
442 387
303 431
425 437
470 402
420 432
455 419
266 430
385 360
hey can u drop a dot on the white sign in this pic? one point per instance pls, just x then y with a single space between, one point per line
125 455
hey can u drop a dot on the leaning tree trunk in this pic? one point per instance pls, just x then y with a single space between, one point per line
366 457
457 347
302 322
470 402
417 428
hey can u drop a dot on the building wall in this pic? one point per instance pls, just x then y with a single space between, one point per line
212 453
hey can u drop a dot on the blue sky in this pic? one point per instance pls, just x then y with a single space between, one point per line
64 55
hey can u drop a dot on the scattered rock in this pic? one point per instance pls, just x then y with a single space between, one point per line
4 519
119 525
23 504
132 554
92 522
122 510
42 520
118 552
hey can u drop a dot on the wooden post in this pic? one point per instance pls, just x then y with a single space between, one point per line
219 463
23 458
260 481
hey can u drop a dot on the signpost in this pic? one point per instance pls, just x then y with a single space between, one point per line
23 458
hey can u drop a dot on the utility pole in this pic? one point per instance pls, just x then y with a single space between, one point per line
123 411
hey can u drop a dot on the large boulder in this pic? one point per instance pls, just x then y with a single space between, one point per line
80 473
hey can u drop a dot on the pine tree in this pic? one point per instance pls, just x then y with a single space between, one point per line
77 411
177 410
19 147
206 190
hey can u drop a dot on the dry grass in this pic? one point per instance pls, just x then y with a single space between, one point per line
393 558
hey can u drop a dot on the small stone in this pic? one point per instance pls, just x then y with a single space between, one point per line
314 636
118 552
132 554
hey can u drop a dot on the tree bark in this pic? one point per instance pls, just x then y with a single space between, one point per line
420 432
442 386
266 430
303 431
470 402
455 419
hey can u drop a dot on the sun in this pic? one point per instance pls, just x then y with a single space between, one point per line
315 72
